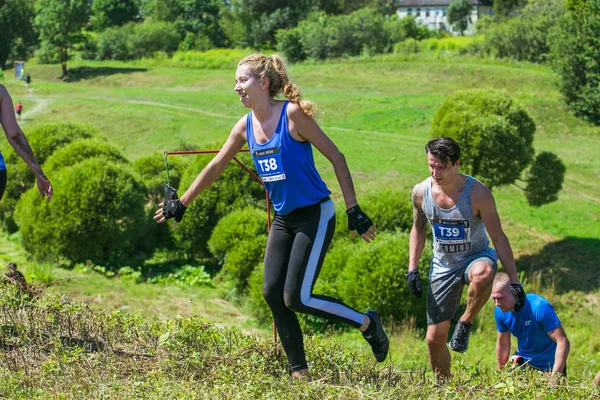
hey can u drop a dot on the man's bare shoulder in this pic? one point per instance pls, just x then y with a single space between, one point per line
481 196
417 193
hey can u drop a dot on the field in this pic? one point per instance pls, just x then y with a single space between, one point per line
378 111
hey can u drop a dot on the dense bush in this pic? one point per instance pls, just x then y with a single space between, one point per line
576 58
81 150
528 35
372 277
44 140
234 189
238 243
496 136
239 225
241 260
390 209
96 214
133 41
545 178
321 36
113 44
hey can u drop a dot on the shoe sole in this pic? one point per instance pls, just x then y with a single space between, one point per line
457 351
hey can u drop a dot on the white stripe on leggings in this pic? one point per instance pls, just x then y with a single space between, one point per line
327 212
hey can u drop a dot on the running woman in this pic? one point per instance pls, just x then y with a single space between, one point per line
280 135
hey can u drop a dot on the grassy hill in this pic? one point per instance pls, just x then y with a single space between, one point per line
378 111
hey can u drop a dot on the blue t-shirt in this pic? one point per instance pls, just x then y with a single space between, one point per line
531 326
286 167
2 164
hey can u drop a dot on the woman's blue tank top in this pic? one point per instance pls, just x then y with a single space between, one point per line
2 164
286 167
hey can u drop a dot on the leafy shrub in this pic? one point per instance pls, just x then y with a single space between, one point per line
44 140
81 150
527 36
372 276
576 58
234 189
151 37
114 44
545 178
487 124
133 41
390 208
290 44
324 36
495 134
241 260
237 226
96 214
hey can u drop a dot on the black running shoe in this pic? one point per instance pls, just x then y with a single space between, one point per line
377 339
460 339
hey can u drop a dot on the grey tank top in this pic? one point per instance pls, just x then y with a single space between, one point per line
457 233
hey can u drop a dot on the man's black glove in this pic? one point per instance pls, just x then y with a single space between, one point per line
414 282
358 220
172 207
519 294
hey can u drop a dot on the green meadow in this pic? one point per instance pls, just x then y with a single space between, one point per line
378 111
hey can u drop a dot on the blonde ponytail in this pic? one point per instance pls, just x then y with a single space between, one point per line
275 69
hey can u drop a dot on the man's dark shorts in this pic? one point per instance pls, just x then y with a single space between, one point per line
445 288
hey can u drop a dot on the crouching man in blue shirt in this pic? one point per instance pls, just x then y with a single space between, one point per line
542 341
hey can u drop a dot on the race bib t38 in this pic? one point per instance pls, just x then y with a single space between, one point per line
268 164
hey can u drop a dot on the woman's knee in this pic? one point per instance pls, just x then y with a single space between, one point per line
272 294
293 301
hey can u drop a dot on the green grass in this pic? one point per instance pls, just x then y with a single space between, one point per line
378 111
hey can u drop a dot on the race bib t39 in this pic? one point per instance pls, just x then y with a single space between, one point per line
452 236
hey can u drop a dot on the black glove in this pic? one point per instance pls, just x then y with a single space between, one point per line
519 294
172 208
170 193
358 220
414 282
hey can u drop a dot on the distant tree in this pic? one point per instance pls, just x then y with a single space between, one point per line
507 8
107 13
459 14
527 36
60 23
496 138
16 28
576 57
197 21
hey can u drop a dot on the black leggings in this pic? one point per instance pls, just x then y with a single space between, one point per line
2 182
295 251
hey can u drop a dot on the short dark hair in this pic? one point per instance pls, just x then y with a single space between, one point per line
444 148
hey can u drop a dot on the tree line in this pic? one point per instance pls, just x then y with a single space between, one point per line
560 32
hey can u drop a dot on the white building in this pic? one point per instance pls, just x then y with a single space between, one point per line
433 13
